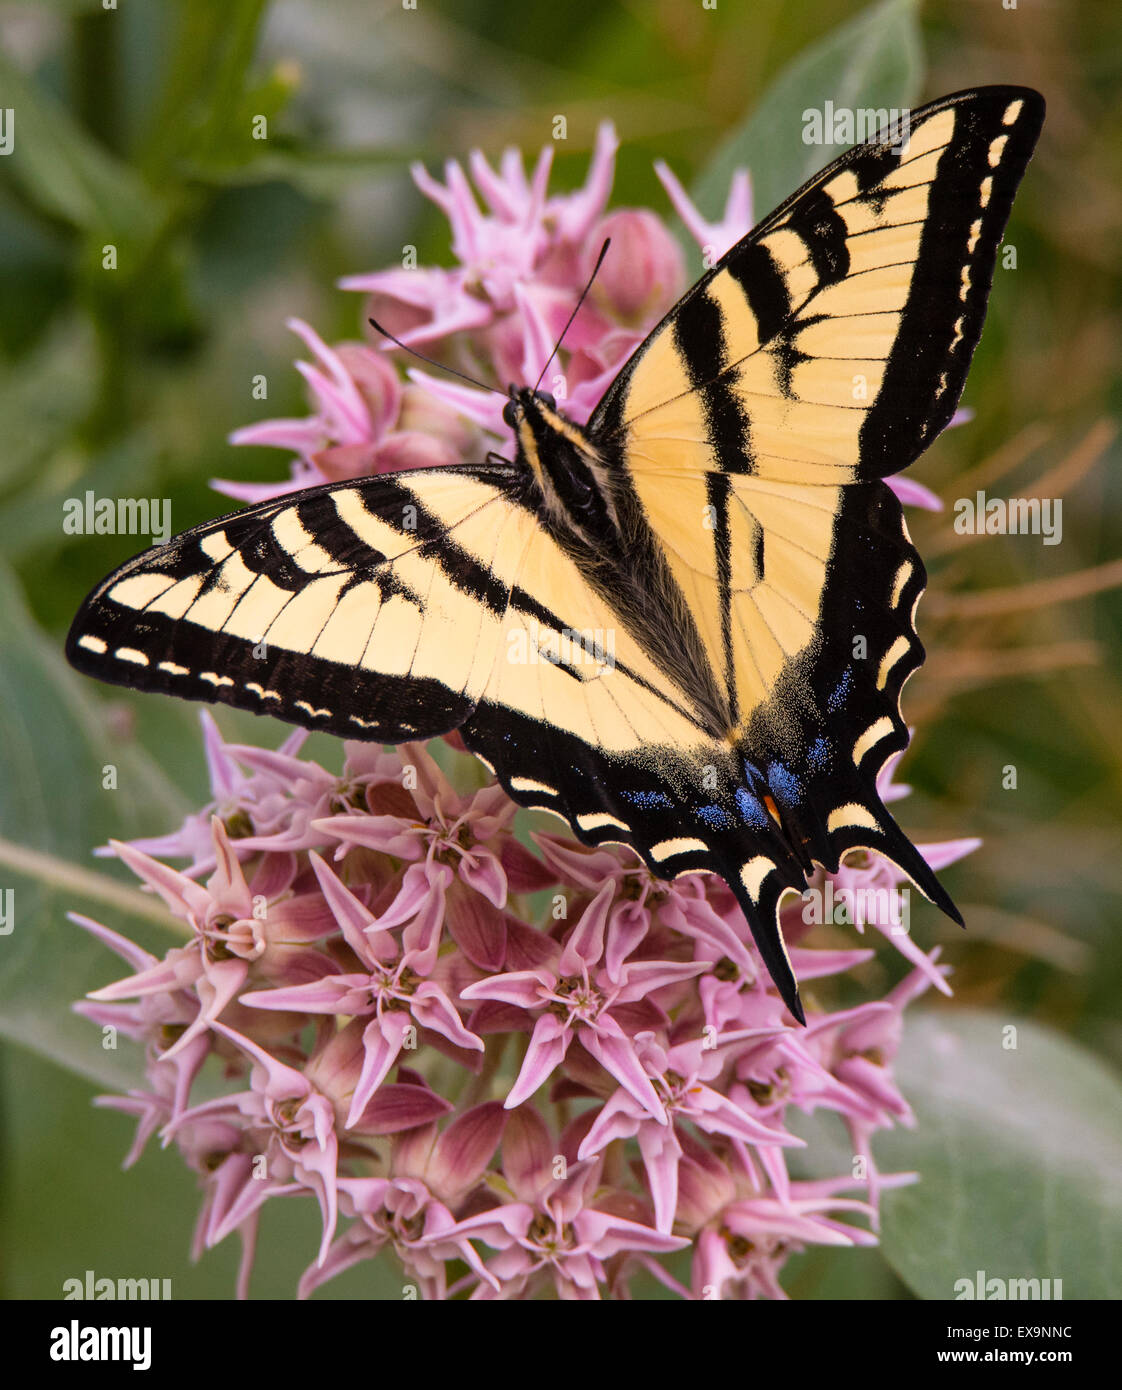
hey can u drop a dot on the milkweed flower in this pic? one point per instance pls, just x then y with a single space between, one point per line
517 1065
364 421
328 987
574 998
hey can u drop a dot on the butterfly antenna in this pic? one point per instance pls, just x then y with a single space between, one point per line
576 310
440 366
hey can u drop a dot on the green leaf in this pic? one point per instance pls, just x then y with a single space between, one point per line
874 60
34 275
55 742
205 107
33 520
69 1207
42 398
316 173
67 175
1019 1152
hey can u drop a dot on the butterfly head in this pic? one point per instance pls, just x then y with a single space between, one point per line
538 427
564 461
536 407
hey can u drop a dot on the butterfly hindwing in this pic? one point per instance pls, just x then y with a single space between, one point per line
750 431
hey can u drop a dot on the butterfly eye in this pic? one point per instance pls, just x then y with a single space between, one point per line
547 400
509 416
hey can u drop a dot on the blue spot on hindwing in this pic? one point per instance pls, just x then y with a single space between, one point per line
785 786
716 817
751 811
818 756
841 691
648 801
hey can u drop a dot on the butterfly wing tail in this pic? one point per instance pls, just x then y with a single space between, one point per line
891 842
757 888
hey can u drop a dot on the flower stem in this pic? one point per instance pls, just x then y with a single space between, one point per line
71 878
480 1085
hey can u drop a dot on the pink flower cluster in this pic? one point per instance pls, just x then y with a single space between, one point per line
549 1066
524 1070
522 262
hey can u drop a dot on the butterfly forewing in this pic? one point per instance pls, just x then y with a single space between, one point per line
371 609
832 343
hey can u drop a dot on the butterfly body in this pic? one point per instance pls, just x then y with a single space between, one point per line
683 626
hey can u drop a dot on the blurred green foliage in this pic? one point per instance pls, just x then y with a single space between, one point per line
134 129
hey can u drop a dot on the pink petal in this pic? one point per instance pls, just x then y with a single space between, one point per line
278 1082
183 895
528 1150
499 1227
382 1041
396 1107
301 436
494 1017
576 213
521 987
354 919
549 1043
585 943
432 1008
389 834
627 927
464 1150
717 237
332 995
697 919
814 964
645 977
661 1153
947 851
421 938
525 872
134 955
617 1120
915 494
607 1235
481 870
606 1041
530 949
716 1114
484 408
478 929
220 984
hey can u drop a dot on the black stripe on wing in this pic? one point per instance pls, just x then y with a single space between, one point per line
717 487
971 199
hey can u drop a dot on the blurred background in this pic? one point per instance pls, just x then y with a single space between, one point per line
133 128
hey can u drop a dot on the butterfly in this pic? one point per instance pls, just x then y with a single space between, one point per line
683 626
